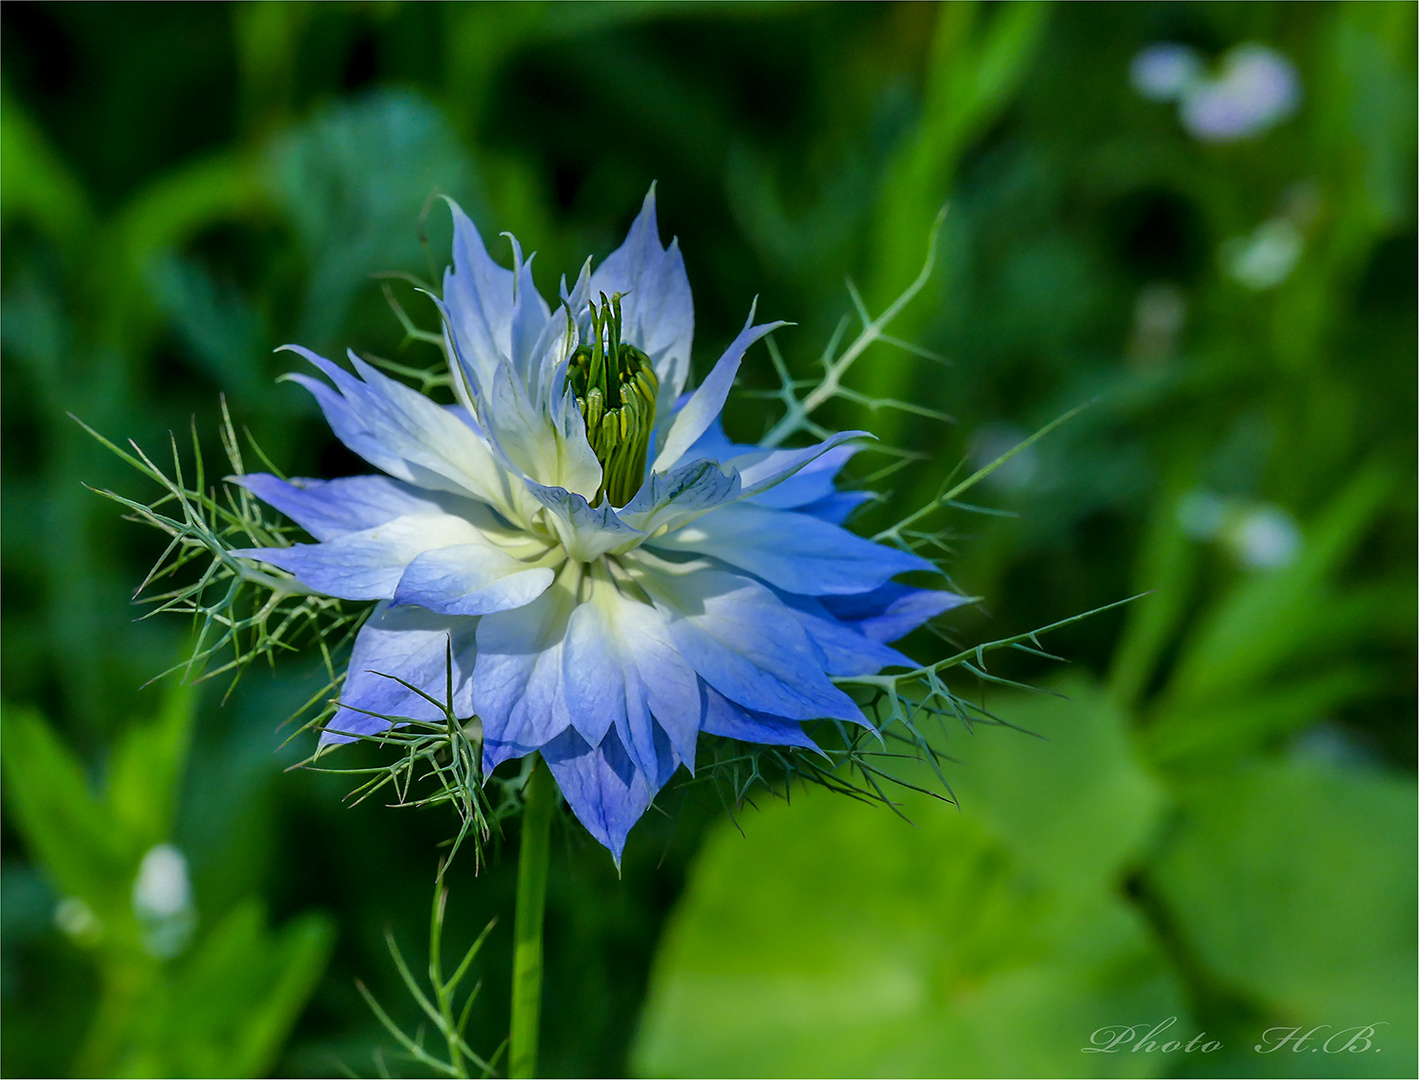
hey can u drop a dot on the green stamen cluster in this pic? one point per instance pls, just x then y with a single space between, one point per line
615 389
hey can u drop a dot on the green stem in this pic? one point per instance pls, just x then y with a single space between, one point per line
541 798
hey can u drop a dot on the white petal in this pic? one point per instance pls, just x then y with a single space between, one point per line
471 579
587 532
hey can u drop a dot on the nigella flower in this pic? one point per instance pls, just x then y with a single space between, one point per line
611 575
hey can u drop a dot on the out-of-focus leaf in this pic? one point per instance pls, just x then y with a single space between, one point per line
222 330
228 1008
1295 885
1075 805
836 940
1264 622
145 773
36 182
353 181
67 829
1230 728
974 68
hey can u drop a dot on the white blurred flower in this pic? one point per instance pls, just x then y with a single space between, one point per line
1261 536
1164 72
1264 537
1256 89
77 921
1266 258
162 900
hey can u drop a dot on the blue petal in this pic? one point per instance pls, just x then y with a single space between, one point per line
741 640
400 431
330 508
723 717
795 552
838 508
658 311
606 792
621 669
412 644
366 565
708 399
471 579
517 687
893 610
714 444
846 650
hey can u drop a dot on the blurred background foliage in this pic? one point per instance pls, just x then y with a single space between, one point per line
1220 826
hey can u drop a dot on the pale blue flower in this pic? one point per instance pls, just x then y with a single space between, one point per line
1166 71
1254 88
612 575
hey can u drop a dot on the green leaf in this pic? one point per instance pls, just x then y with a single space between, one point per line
1075 805
231 1004
1294 884
145 774
67 830
1264 623
834 939
36 182
352 181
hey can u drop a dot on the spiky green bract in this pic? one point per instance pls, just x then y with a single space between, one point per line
449 1019
236 607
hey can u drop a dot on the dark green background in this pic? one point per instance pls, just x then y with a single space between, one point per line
186 187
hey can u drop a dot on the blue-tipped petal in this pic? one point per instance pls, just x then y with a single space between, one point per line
330 508
400 431
708 399
658 311
892 611
797 553
741 640
622 669
366 565
518 688
478 294
606 792
412 644
722 717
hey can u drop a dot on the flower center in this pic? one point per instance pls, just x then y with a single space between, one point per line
615 389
